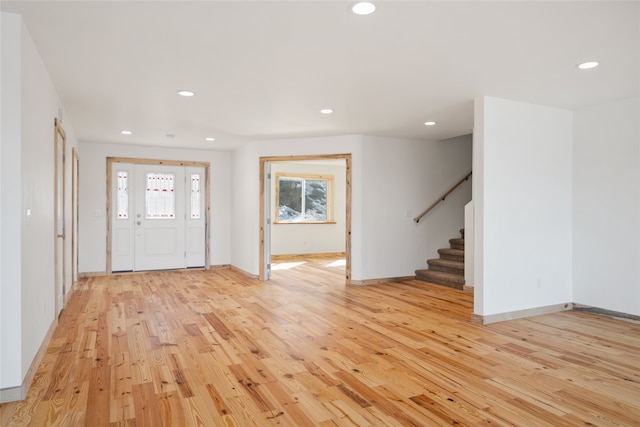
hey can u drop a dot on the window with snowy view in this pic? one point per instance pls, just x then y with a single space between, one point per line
304 198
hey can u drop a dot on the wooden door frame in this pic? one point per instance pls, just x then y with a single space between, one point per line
138 161
347 158
60 141
75 191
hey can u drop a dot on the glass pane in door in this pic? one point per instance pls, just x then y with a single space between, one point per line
160 197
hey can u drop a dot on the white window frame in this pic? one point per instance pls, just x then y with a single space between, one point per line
305 177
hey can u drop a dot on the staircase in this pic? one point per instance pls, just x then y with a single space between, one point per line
448 270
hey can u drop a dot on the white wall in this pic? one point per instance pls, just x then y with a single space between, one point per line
10 224
523 206
40 105
289 239
392 181
469 255
29 106
606 206
93 202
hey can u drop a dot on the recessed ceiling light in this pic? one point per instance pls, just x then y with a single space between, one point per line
363 8
126 132
210 139
186 93
588 65
429 123
326 111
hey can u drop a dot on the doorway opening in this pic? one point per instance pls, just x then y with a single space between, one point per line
157 214
269 215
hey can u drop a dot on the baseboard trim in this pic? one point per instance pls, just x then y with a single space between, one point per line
104 273
68 292
605 312
243 272
519 314
13 394
42 351
290 256
91 274
381 281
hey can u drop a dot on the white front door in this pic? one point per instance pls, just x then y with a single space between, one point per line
159 209
158 217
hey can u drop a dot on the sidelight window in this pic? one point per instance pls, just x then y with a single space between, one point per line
196 197
122 198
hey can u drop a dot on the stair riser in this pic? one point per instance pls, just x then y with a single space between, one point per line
446 269
452 257
451 254
457 246
450 284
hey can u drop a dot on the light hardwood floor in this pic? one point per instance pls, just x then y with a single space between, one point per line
214 348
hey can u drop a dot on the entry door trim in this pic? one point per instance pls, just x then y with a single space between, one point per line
133 160
264 161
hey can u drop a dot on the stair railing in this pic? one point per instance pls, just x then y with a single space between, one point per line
441 199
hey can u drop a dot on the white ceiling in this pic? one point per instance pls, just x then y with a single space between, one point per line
264 69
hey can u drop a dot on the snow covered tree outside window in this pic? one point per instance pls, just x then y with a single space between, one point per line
304 198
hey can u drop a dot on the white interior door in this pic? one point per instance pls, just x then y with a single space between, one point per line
159 228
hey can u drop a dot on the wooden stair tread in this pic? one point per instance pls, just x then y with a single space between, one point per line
446 263
451 251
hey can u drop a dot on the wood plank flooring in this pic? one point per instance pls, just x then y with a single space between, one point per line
214 348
